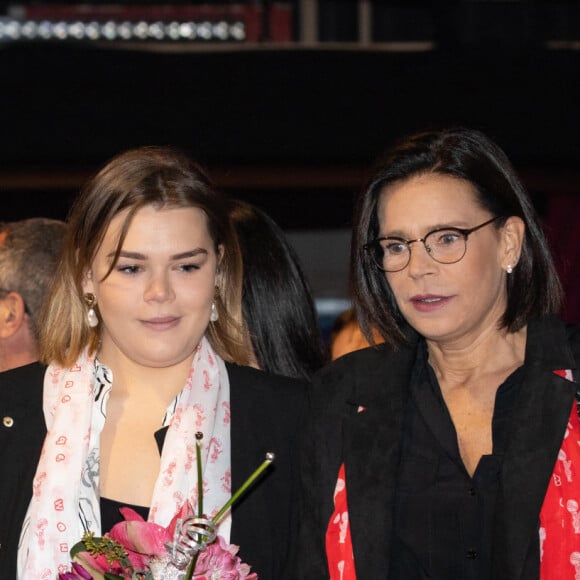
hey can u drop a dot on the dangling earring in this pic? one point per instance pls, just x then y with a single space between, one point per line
509 269
92 317
214 314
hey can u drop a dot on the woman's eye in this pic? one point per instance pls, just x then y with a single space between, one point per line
394 248
447 238
188 267
129 269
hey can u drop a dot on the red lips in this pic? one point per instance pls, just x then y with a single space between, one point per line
429 302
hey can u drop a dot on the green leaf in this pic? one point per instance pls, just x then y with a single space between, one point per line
77 548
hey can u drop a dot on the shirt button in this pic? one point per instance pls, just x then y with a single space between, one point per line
471 491
7 421
471 554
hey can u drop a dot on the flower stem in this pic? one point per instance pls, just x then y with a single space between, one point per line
243 488
199 480
215 520
191 567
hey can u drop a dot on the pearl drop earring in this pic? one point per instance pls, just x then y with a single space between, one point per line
92 317
214 315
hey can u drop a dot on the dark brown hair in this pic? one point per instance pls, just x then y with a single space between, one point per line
278 308
533 289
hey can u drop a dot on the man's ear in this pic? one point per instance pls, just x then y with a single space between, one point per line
12 314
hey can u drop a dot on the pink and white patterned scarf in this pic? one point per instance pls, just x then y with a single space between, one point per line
65 502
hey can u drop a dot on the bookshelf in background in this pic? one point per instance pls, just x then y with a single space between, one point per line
198 23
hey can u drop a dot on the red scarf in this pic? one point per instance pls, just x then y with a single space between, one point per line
560 515
559 518
338 541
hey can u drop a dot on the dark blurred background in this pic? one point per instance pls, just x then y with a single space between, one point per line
288 104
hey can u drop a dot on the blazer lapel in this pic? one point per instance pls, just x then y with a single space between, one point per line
372 436
537 429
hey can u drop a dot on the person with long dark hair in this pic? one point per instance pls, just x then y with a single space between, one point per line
452 450
278 310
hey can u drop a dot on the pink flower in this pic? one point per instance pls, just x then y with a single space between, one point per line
220 561
77 573
142 539
145 546
94 567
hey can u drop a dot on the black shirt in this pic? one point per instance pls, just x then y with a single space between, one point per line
110 514
443 517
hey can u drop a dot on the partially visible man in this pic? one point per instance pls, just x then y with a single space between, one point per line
29 254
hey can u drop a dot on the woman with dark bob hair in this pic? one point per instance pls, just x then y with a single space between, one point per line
452 450
140 332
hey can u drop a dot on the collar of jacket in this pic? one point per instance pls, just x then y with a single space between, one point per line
539 422
372 435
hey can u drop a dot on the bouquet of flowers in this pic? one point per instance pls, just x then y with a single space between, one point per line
188 549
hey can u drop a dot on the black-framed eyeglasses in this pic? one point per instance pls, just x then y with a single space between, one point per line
444 245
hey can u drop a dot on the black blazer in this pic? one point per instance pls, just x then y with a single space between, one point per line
21 436
368 443
266 412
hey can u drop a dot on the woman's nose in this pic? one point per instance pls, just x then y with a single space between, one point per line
159 288
420 262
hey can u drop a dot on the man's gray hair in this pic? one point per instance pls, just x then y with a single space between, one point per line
29 256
